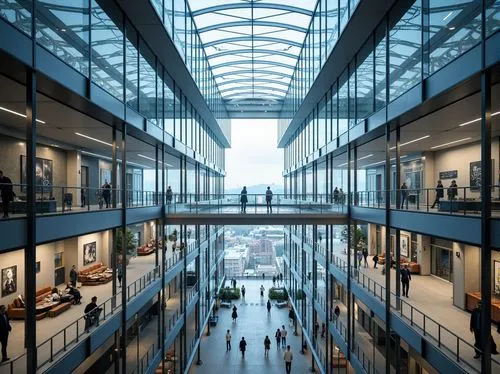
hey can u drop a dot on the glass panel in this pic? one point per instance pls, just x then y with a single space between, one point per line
107 51
147 90
454 27
343 107
380 67
168 106
493 18
17 14
64 31
132 66
364 82
405 50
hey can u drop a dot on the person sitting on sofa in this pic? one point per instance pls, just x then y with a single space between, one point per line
55 296
73 291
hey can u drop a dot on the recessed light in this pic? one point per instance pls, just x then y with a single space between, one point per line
94 139
18 114
412 141
450 143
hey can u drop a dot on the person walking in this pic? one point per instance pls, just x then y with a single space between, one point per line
106 192
405 279
291 317
277 335
365 257
234 315
288 357
404 195
169 194
439 194
228 340
262 289
269 198
243 291
359 255
73 276
274 281
267 346
5 329
375 261
475 328
452 191
243 347
243 199
268 307
336 195
6 192
119 272
284 333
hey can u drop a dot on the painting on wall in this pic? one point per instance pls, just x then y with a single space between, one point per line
58 260
404 242
89 253
43 174
37 267
9 280
496 272
476 174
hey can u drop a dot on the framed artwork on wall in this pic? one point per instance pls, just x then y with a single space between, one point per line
404 243
37 267
89 253
9 280
43 174
496 274
476 174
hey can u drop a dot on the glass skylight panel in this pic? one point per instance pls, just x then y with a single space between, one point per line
252 45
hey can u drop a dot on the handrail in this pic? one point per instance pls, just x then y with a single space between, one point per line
60 341
366 281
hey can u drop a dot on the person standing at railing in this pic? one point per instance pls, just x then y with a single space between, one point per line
439 194
341 196
452 191
6 192
243 199
106 192
336 195
476 327
5 329
269 198
92 312
169 194
404 195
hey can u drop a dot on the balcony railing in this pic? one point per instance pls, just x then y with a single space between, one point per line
455 200
255 204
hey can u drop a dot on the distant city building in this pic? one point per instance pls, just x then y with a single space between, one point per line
234 263
261 252
268 270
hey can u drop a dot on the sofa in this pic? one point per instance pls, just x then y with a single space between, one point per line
16 310
471 302
414 267
95 275
145 250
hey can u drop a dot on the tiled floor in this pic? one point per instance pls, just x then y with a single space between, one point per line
254 324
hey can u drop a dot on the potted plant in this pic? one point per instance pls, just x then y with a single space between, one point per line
130 244
278 294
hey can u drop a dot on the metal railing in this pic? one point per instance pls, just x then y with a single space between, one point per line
50 348
255 204
145 361
454 200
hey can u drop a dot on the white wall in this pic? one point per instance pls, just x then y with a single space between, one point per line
459 158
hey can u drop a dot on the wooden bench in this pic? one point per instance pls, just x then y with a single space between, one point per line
58 309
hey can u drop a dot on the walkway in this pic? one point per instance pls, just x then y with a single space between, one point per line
254 324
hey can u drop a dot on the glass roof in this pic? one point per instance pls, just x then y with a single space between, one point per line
252 46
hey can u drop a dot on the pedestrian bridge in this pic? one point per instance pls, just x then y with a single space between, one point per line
227 209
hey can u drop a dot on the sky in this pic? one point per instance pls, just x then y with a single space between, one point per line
253 157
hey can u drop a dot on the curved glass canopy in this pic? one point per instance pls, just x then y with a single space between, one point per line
252 47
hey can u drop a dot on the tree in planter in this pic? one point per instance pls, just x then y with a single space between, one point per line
358 237
173 237
130 244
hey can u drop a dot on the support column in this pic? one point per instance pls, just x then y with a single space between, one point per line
123 343
387 248
349 257
30 248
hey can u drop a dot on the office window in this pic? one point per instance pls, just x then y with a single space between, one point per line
364 81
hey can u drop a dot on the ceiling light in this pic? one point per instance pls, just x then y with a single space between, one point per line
447 16
18 114
381 162
152 159
449 143
451 28
364 157
110 158
411 141
477 120
94 139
